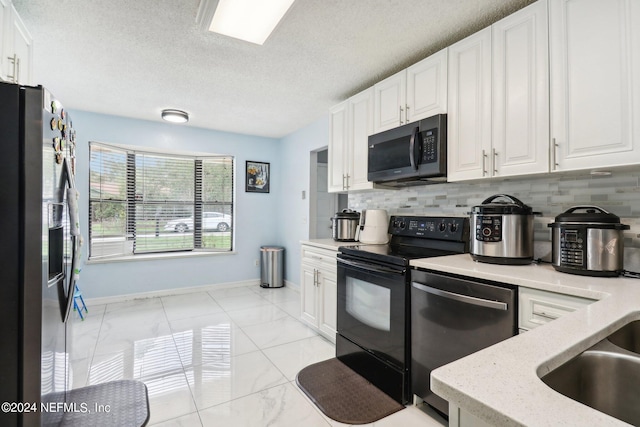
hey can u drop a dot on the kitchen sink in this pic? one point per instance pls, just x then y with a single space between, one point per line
605 377
627 337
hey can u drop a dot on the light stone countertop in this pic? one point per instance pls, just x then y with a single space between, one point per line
501 384
329 244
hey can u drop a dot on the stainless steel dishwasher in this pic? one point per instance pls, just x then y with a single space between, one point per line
451 317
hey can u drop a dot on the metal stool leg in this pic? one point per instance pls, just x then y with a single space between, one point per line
78 295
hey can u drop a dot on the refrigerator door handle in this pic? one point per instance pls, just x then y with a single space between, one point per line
67 184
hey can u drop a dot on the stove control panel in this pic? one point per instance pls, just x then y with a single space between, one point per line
430 227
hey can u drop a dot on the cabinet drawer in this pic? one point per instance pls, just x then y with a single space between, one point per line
319 256
540 307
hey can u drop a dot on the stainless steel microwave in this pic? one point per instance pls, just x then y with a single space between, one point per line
412 154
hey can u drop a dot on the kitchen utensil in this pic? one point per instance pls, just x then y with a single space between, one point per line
503 231
344 225
589 241
374 225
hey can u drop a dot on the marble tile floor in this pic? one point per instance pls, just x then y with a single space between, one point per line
220 358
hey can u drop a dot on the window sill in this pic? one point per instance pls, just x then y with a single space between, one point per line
160 256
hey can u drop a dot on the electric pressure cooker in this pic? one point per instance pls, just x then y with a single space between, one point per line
503 231
588 240
344 225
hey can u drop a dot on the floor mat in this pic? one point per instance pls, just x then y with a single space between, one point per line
115 403
343 395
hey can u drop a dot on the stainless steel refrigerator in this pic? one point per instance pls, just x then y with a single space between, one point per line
39 253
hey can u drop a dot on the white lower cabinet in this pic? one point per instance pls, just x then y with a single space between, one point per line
539 307
319 290
460 418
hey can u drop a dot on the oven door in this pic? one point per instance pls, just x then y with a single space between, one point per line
372 308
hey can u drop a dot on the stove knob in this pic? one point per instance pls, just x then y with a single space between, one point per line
453 227
402 224
486 232
396 223
442 226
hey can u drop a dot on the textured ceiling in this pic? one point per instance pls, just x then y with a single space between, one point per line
135 58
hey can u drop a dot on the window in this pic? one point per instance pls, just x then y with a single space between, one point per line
146 202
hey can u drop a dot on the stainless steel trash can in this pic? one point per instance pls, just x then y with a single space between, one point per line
271 266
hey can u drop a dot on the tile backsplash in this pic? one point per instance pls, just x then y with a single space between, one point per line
550 195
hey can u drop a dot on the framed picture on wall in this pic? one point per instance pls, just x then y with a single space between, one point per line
258 177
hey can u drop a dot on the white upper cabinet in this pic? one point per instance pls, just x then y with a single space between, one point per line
498 120
415 93
5 11
595 83
351 123
360 127
520 85
427 87
17 46
390 102
469 117
338 153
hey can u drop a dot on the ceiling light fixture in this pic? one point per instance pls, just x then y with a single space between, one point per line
600 173
248 20
175 116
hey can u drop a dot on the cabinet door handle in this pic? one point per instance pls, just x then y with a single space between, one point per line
495 161
14 60
400 114
406 114
18 72
545 315
315 277
554 155
318 278
347 187
484 163
344 187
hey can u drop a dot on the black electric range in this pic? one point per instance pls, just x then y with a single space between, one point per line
414 237
373 321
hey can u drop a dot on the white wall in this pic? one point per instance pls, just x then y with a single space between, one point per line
257 215
295 177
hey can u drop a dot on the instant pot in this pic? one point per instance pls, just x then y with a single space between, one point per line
588 240
344 225
503 231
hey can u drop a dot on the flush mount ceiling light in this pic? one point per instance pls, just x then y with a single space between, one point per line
248 20
600 173
175 116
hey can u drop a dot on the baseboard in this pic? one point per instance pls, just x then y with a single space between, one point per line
173 291
292 285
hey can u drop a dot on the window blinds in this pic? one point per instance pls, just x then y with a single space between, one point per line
142 202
